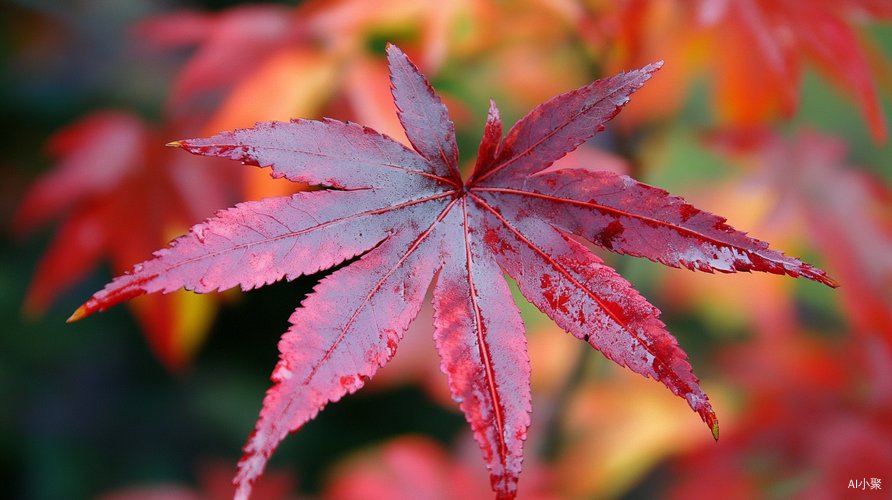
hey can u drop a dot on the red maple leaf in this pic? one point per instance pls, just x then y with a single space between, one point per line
412 467
846 211
119 197
230 44
847 435
756 51
214 483
411 218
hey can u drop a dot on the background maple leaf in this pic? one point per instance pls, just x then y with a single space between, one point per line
755 53
102 197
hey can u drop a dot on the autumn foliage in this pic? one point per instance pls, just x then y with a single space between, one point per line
480 278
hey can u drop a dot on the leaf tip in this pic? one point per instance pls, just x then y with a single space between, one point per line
175 144
653 67
713 422
80 313
818 275
392 50
493 109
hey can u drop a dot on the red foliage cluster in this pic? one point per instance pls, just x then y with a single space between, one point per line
120 196
755 51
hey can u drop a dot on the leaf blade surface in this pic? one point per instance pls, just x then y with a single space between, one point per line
479 336
625 216
338 339
328 152
558 126
423 116
593 303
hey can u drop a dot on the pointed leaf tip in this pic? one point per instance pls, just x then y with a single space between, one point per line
815 274
175 144
80 313
713 422
651 68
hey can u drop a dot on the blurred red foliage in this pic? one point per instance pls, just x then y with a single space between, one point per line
807 409
754 52
119 194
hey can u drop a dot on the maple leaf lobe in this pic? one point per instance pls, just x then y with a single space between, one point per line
423 115
557 127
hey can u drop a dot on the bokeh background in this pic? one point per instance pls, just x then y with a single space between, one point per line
768 112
